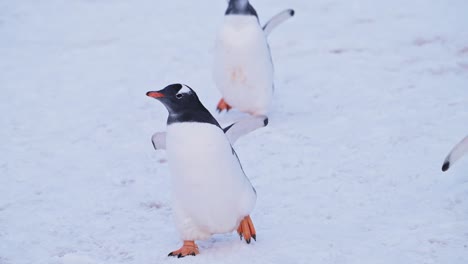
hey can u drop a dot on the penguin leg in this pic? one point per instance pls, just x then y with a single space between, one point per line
188 249
222 105
246 229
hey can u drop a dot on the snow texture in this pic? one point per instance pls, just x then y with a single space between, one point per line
369 98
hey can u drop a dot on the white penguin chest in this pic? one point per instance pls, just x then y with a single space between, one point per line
243 70
198 152
211 194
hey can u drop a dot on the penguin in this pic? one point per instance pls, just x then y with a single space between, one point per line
456 153
211 193
243 67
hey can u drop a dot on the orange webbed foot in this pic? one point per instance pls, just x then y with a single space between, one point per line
188 249
222 105
246 229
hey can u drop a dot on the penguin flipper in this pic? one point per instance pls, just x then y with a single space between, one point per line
244 126
159 140
456 153
276 20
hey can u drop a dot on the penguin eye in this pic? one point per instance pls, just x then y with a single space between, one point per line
178 96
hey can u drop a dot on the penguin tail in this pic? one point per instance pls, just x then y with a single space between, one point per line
277 19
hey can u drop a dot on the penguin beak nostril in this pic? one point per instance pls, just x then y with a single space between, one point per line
154 94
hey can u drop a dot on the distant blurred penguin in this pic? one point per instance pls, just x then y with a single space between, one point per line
457 152
243 68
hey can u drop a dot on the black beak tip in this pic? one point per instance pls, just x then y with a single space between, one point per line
446 166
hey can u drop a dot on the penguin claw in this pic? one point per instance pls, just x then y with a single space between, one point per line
222 105
239 231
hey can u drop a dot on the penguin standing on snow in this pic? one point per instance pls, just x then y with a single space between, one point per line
243 68
211 193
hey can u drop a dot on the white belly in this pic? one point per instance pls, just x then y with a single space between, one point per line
210 191
243 70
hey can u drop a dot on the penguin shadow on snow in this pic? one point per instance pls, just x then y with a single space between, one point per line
222 244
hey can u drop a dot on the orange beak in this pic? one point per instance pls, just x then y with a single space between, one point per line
154 94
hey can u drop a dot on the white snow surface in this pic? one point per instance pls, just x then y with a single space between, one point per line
370 97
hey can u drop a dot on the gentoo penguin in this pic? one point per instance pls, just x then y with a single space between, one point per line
211 193
243 68
456 153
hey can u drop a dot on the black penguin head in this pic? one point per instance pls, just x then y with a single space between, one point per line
240 7
183 104
177 98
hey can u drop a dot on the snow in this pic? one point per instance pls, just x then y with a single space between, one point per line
370 97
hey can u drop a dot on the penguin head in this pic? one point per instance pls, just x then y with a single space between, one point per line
183 105
240 7
177 98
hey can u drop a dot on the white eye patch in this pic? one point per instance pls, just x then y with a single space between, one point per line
184 90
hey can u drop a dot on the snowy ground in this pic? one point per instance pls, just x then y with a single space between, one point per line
370 97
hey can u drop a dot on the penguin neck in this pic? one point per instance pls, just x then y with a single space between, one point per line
240 21
190 115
